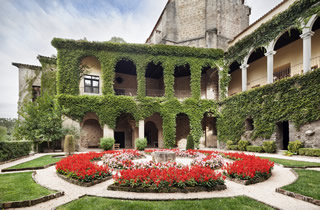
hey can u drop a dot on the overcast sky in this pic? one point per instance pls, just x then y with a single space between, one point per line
28 26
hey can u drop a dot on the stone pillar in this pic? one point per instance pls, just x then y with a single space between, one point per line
141 129
244 68
306 50
270 66
107 132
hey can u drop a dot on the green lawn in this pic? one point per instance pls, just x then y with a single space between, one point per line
20 186
38 162
308 184
291 163
96 203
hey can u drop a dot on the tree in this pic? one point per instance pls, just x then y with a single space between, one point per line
40 120
8 123
3 133
115 39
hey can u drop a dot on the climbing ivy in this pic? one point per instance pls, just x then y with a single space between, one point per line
295 99
268 31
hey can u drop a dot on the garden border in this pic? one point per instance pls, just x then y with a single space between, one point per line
297 195
114 187
18 158
83 184
27 203
249 182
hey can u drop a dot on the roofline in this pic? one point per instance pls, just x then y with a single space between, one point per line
51 60
28 66
255 22
154 28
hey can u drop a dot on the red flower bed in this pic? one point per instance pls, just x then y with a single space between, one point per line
169 177
81 168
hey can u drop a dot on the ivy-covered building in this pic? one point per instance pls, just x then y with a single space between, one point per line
265 86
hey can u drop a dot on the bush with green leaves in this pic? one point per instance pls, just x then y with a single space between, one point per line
294 146
107 143
233 147
229 143
3 133
14 149
69 144
255 149
310 152
242 145
269 146
190 142
141 143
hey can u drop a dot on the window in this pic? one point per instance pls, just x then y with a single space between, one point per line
91 84
35 92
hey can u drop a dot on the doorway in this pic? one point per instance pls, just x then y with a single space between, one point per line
283 135
120 139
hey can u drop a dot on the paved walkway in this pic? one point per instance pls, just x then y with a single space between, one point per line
264 192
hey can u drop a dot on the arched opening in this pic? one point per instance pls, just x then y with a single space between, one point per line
182 130
315 45
257 70
126 131
182 78
282 135
288 60
235 84
91 77
153 131
154 80
249 124
209 128
91 131
209 83
125 82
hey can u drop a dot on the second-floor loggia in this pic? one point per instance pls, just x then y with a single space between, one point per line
154 80
125 80
182 78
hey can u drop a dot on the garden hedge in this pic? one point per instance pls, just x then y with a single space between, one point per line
255 149
310 152
14 149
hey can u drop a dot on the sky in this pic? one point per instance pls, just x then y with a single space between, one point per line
28 26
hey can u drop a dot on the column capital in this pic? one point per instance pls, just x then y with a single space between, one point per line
270 53
244 66
307 35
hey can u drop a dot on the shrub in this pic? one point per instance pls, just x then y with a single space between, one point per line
233 147
190 142
3 133
255 149
14 149
69 145
310 151
294 146
107 143
141 143
242 145
269 146
288 153
229 143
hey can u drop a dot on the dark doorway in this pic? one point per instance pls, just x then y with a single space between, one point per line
151 133
283 135
120 138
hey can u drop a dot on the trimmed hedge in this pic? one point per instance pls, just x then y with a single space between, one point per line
310 152
14 149
294 146
269 146
255 149
242 145
233 147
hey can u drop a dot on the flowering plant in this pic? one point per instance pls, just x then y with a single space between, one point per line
211 161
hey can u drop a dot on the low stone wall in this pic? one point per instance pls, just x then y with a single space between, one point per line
9 161
30 168
83 184
298 196
167 190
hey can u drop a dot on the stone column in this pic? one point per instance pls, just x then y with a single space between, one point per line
306 50
141 129
244 68
270 66
107 132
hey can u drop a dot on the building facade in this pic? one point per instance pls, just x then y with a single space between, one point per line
264 86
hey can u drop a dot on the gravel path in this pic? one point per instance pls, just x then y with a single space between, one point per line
264 192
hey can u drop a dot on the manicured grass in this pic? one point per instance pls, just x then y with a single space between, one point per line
291 163
95 203
308 184
20 186
38 162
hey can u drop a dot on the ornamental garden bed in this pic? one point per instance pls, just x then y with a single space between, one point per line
84 184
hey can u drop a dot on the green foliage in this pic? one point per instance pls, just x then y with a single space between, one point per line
310 152
190 142
3 133
41 120
69 145
233 147
229 143
294 99
115 39
141 143
14 149
242 145
269 146
8 123
294 146
270 30
107 143
288 153
255 149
